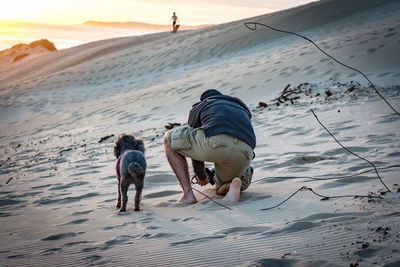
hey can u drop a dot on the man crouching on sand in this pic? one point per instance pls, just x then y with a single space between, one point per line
219 130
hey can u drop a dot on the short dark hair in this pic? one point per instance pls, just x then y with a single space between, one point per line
208 93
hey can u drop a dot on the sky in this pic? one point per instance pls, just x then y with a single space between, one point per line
190 12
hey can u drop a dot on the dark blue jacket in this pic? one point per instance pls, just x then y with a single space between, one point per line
223 114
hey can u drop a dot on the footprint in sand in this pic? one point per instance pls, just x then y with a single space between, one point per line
161 178
119 226
69 185
235 88
59 236
123 239
305 53
293 228
79 221
165 203
390 34
185 97
78 213
9 202
63 200
384 74
158 235
51 251
92 258
165 193
153 227
336 183
244 230
353 74
197 240
327 72
288 262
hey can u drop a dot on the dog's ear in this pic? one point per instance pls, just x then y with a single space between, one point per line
117 147
140 145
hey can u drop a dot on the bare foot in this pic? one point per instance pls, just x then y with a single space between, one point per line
223 189
188 198
233 194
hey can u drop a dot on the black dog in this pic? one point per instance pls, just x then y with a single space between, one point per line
131 168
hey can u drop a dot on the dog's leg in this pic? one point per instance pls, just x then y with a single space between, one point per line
138 196
119 194
124 192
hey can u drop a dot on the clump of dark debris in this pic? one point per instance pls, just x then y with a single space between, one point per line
303 91
306 93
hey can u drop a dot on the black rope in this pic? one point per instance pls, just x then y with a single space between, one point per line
216 202
305 188
273 207
347 66
328 197
351 152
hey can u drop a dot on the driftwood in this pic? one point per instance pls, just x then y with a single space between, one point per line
306 90
262 105
289 94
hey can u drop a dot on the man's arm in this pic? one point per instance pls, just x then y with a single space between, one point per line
200 172
198 166
194 116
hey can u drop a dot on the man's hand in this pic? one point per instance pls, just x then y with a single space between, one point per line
202 182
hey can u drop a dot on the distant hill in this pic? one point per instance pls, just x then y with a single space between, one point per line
20 51
140 25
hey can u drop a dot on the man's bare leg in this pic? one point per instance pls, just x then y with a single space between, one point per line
180 167
231 191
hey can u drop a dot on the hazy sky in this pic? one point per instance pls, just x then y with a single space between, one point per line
189 12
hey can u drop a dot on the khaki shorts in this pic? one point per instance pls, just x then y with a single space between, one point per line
231 156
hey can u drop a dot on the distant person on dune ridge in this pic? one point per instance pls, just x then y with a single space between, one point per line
174 19
220 131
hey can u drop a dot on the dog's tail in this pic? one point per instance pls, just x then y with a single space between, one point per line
135 169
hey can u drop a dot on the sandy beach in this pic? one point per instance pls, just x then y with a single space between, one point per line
61 112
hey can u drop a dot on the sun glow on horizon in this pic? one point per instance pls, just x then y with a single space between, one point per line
47 11
61 21
154 11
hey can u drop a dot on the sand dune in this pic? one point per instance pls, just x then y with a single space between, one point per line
216 41
61 112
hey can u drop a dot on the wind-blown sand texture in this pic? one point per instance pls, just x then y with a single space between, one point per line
58 187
